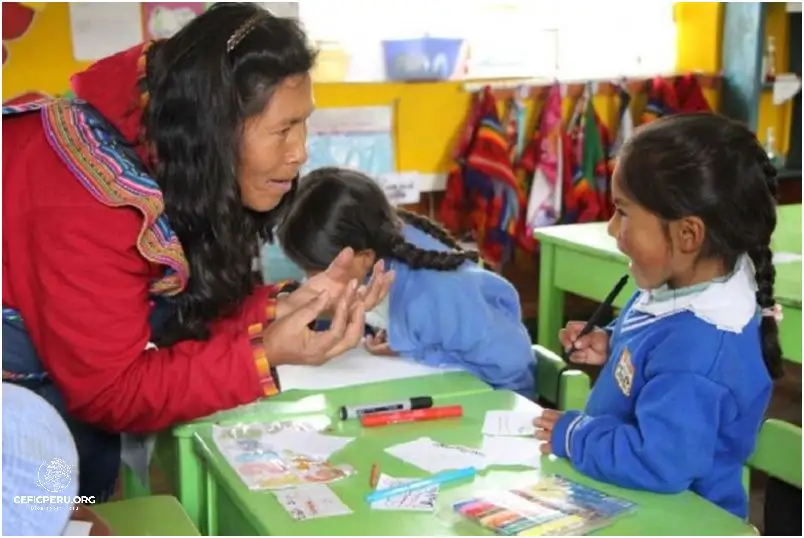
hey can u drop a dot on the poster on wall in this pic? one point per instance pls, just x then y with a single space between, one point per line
358 137
160 20
101 29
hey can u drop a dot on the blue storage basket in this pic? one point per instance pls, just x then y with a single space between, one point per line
426 58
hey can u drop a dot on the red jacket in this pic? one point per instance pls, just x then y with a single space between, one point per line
72 269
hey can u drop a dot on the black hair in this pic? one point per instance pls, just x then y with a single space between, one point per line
337 208
199 95
714 168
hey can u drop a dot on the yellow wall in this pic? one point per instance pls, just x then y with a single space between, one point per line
429 116
777 116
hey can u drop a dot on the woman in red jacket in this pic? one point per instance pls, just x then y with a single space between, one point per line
132 219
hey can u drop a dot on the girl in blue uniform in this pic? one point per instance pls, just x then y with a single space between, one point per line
443 310
690 359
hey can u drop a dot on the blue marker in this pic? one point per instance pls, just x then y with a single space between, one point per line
436 479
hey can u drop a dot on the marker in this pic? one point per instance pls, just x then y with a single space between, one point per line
421 402
375 475
597 317
433 480
419 415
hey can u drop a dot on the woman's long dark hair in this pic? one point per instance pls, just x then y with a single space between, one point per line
709 166
199 97
337 208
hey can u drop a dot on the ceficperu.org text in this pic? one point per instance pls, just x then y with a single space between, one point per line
54 499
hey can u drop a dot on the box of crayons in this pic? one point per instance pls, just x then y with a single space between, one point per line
553 506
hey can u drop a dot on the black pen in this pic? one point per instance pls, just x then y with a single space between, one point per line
594 321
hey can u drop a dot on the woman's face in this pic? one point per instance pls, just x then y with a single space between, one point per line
273 147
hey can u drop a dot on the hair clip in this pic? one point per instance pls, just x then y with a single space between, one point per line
774 312
245 29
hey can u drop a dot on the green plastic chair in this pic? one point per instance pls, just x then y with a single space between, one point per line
777 454
559 383
159 515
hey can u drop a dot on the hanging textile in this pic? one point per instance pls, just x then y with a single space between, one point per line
625 125
590 162
543 160
690 94
490 193
662 100
683 94
453 209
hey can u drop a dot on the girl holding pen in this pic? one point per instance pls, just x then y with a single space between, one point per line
443 310
689 363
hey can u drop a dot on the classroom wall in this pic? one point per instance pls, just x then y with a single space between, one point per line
700 35
429 116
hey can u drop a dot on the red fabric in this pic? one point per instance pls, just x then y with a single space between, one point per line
690 95
71 269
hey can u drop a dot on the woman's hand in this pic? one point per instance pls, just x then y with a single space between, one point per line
592 348
289 340
378 345
334 281
545 424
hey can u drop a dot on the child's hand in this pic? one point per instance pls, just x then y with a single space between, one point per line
378 345
545 424
334 280
592 348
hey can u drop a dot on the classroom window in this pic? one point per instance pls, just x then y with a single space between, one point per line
507 38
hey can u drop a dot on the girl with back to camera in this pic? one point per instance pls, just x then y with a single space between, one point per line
690 359
443 309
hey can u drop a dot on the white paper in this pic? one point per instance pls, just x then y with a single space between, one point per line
785 87
310 502
401 188
422 500
786 257
355 367
77 528
99 29
435 457
364 119
512 451
266 438
267 459
510 423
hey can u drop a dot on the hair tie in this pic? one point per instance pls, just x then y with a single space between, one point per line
774 312
245 29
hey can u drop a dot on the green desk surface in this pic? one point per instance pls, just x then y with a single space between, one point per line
177 459
160 515
240 511
583 259
592 238
295 402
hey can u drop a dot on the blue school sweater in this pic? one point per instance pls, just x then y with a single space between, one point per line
468 319
681 399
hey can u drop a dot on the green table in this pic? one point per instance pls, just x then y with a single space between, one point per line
583 259
235 510
160 515
176 458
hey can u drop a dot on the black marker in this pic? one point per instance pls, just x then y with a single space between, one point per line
598 315
422 402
